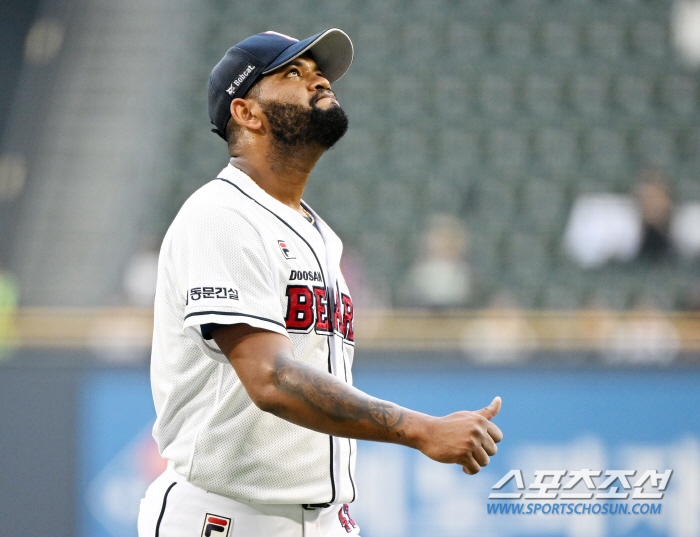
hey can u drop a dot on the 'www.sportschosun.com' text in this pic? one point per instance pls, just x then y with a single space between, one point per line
573 508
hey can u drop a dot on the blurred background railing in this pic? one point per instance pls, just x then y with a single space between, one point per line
483 336
519 198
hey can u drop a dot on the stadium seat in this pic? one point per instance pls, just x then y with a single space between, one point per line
507 149
358 151
497 95
543 95
543 203
496 202
464 42
633 94
556 148
685 186
374 48
560 39
409 150
590 94
649 39
421 48
407 100
606 149
679 95
513 39
526 258
560 296
395 205
452 100
428 10
655 147
458 148
362 97
606 39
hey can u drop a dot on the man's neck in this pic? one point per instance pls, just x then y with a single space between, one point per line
281 172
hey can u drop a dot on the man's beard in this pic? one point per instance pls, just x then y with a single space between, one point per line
297 126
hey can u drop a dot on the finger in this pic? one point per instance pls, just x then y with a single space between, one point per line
470 466
490 411
489 445
494 432
481 457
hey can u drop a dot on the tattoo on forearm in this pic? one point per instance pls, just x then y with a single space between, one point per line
334 398
385 414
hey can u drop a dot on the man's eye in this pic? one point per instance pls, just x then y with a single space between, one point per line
293 70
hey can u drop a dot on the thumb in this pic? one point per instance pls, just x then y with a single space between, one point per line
491 410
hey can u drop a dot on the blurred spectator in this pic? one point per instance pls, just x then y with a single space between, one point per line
655 206
596 321
441 278
685 26
616 227
502 335
685 229
645 337
141 273
603 228
9 298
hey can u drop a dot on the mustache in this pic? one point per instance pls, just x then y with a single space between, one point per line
320 95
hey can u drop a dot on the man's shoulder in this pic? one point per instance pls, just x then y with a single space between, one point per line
215 197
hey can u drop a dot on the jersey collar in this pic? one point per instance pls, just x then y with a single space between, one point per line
300 224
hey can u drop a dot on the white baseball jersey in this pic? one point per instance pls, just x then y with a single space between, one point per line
234 254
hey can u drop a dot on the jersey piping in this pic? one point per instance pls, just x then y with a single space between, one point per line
162 509
352 481
235 314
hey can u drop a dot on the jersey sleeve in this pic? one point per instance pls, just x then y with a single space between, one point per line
228 278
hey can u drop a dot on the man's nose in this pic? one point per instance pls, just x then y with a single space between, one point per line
321 83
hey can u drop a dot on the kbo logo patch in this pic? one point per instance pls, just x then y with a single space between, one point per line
216 525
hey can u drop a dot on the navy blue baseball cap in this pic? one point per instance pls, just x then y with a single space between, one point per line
245 63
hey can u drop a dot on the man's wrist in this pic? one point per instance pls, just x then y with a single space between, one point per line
417 429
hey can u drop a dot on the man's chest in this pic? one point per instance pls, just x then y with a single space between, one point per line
313 294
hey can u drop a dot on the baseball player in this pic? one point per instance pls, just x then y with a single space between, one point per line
253 338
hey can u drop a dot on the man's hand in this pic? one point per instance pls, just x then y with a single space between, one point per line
466 438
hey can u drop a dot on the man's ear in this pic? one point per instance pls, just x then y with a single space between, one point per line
247 113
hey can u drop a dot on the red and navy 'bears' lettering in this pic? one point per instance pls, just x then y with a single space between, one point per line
345 520
348 332
338 324
300 314
323 321
307 307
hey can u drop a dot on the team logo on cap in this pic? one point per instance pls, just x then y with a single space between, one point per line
286 252
216 525
240 79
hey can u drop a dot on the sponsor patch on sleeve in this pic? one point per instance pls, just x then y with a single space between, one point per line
212 294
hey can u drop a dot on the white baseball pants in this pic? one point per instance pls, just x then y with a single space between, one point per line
175 508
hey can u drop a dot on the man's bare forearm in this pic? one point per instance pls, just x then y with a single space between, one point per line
317 400
309 397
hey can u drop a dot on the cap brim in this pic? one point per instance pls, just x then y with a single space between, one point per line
332 51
